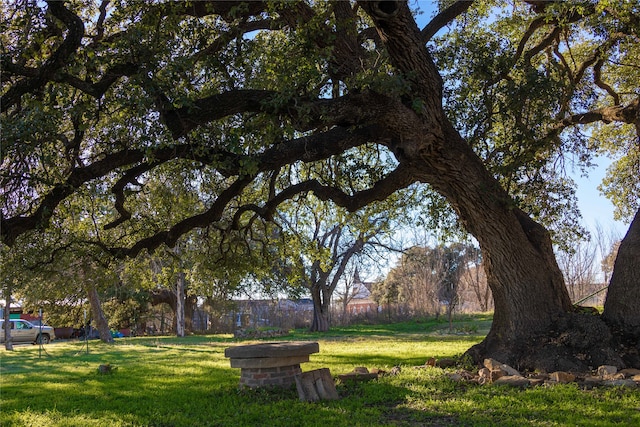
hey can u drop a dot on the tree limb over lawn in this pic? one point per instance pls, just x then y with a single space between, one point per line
245 107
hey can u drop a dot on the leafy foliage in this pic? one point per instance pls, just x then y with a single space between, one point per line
129 127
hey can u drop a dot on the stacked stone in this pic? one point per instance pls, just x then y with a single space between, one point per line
270 364
279 376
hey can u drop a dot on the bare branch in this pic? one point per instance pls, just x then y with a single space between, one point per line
445 17
618 113
170 237
597 78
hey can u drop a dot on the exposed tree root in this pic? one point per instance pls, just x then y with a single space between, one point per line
577 342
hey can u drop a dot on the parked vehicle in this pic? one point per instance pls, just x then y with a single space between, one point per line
25 331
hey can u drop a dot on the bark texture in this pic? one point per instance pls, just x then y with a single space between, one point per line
8 341
321 304
180 303
532 305
621 309
169 297
98 315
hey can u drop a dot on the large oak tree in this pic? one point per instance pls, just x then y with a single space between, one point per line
234 95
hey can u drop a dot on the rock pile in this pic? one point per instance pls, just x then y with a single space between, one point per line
495 372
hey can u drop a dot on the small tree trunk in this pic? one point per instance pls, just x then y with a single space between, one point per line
8 341
180 305
98 315
190 306
320 310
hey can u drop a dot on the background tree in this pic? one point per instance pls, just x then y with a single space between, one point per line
417 279
347 292
386 294
579 269
425 279
7 279
327 240
619 310
452 261
474 281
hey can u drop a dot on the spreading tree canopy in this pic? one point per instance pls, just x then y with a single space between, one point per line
223 101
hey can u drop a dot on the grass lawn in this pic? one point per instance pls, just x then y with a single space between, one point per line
167 381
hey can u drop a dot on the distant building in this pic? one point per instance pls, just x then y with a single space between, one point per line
17 312
360 301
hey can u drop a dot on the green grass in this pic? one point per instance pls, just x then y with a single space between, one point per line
168 381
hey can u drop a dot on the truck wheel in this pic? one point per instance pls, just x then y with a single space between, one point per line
43 339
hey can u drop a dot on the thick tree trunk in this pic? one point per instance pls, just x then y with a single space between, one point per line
533 326
321 302
98 315
622 306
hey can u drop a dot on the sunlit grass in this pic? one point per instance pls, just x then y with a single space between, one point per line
169 381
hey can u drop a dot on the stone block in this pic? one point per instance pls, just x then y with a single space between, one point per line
316 385
268 362
513 381
272 349
630 372
357 376
607 370
494 365
562 377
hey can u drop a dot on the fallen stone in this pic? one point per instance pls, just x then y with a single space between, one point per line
562 377
395 370
497 374
106 369
491 375
357 377
513 381
494 365
607 370
536 381
538 377
316 385
484 373
360 370
630 372
591 381
468 376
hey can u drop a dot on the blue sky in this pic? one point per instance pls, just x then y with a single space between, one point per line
596 208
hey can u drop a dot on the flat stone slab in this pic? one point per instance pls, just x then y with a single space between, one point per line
357 377
268 362
272 350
